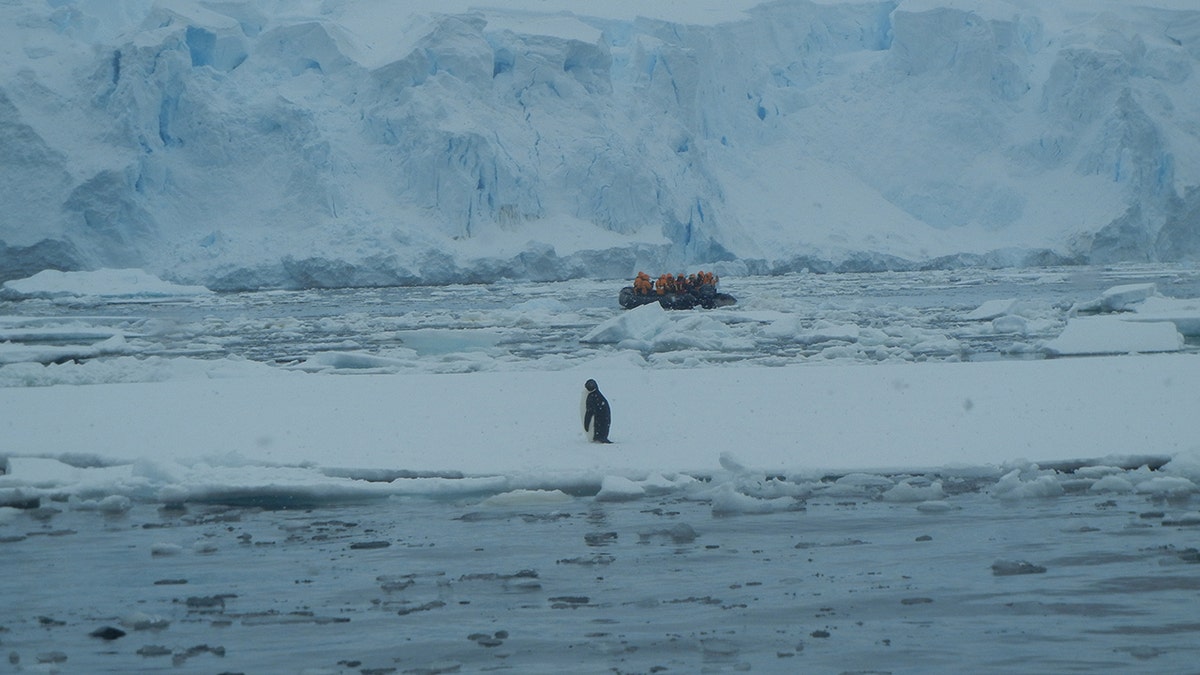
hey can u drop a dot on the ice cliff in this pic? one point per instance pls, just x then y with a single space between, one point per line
251 143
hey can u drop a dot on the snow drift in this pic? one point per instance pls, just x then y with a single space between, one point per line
249 144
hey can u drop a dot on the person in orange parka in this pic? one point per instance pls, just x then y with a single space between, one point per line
642 284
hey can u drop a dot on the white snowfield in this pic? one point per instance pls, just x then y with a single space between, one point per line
886 417
318 436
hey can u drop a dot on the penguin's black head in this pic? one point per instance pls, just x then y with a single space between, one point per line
590 385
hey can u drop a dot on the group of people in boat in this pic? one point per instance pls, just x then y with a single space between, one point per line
675 292
667 284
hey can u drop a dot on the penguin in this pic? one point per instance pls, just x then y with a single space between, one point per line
596 413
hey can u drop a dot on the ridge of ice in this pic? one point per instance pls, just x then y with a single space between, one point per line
257 144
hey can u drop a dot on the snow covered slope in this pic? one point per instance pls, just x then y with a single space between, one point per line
251 143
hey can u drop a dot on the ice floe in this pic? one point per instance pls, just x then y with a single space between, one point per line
102 285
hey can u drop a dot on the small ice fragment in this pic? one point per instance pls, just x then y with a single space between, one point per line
619 489
143 621
162 549
991 309
1005 568
114 504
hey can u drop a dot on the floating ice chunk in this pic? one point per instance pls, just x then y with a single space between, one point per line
1186 465
1184 313
1117 298
105 283
71 331
1099 471
44 472
771 488
1011 486
548 306
698 331
1189 519
619 489
936 506
356 361
204 547
172 494
731 464
11 353
658 484
39 372
786 327
1015 325
652 328
20 497
680 533
908 492
1167 486
828 331
112 504
144 621
728 502
527 498
789 327
936 345
1114 335
641 323
992 309
1005 568
1114 484
841 352
8 514
859 484
865 480
164 549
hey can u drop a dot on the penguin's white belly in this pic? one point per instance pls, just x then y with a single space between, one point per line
587 428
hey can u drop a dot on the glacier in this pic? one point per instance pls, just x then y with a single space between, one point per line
247 144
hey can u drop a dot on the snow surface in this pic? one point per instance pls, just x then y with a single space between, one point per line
508 431
393 430
258 144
